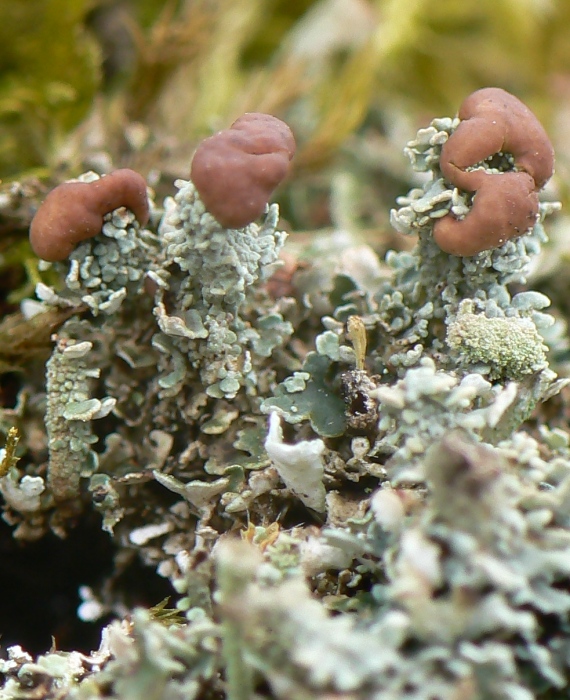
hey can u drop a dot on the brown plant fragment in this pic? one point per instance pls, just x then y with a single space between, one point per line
236 170
74 211
505 204
24 339
361 410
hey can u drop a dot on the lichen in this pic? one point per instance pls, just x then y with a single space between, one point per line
310 395
70 410
395 529
509 347
300 466
206 274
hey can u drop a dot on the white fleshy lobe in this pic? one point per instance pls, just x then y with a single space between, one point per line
300 466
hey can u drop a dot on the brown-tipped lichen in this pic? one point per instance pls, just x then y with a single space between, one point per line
405 534
207 272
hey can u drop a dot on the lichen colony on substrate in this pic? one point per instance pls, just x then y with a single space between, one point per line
419 507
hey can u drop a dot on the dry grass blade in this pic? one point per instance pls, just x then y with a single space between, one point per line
174 39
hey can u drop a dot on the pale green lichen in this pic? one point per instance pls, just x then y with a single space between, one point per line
509 347
70 411
426 543
206 274
203 274
23 495
427 403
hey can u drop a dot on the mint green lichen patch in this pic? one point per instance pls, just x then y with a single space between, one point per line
508 347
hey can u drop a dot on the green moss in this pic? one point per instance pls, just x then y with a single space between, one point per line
48 78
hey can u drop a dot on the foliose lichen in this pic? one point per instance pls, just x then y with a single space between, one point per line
404 532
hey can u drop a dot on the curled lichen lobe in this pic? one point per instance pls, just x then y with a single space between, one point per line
506 203
74 211
236 170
